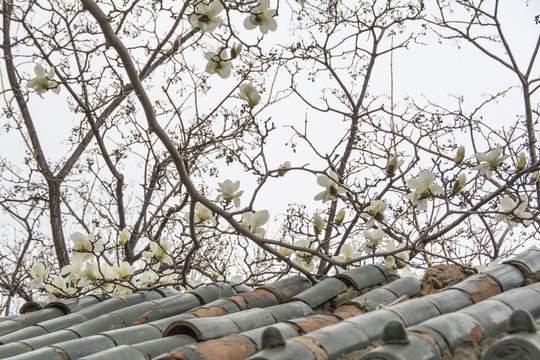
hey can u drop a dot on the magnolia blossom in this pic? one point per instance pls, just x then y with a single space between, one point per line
318 223
459 184
285 251
346 253
491 265
392 165
147 279
168 276
159 253
534 177
39 274
235 50
402 256
489 161
262 17
423 187
373 238
84 246
254 221
124 236
93 272
283 168
250 94
407 272
59 288
43 81
522 161
205 16
217 64
374 212
340 216
123 271
460 155
331 183
73 270
516 211
203 215
304 259
229 192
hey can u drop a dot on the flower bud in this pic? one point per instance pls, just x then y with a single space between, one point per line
176 44
392 165
235 50
534 177
318 223
124 236
283 168
522 161
459 184
460 155
340 216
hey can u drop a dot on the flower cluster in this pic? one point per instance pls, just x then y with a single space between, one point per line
43 81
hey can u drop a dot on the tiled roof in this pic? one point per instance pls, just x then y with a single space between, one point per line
364 313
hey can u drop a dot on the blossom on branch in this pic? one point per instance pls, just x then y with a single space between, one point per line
318 223
423 186
159 253
59 288
283 168
516 211
522 161
489 161
203 215
460 155
402 256
124 236
147 279
84 246
373 239
217 63
254 220
250 94
331 183
262 17
43 81
346 253
39 274
392 165
303 258
340 217
459 184
229 192
205 16
123 271
374 212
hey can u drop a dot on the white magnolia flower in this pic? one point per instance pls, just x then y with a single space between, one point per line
148 279
346 253
203 215
423 186
491 265
407 272
522 161
318 223
124 236
304 259
373 239
39 274
460 155
73 270
229 192
285 251
168 276
206 16
402 256
120 290
43 81
459 184
250 94
93 272
331 183
489 161
159 253
392 165
59 287
516 211
254 221
340 216
85 246
283 168
217 64
262 17
374 212
123 271
236 49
